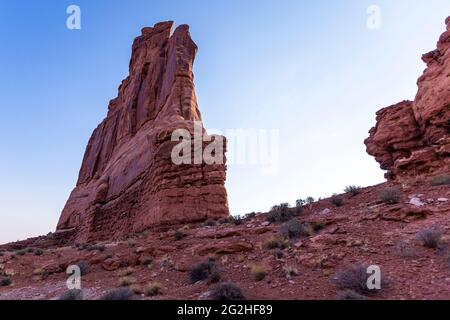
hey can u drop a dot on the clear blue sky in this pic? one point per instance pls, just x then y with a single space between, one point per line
309 68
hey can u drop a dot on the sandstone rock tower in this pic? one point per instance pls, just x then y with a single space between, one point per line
127 180
412 138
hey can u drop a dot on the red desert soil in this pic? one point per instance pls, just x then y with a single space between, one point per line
363 230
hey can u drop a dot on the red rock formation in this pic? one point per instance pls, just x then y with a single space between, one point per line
128 181
412 139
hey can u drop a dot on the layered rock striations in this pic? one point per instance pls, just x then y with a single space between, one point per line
412 138
128 181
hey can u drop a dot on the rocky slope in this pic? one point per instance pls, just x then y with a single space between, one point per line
364 230
128 180
315 251
412 138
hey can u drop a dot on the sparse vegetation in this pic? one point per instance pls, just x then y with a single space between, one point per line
349 295
280 213
290 271
206 270
224 221
226 292
390 196
127 272
278 254
153 289
84 267
237 220
126 281
118 294
74 294
38 252
259 272
337 200
430 238
294 229
353 190
440 180
179 235
299 203
21 253
6 281
210 223
310 200
277 243
354 278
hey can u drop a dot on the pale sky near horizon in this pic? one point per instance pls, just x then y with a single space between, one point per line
311 69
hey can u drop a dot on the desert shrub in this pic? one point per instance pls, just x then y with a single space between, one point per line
280 213
310 200
278 254
210 223
354 278
224 220
153 289
38 252
349 295
290 271
299 203
131 243
118 294
352 190
4 282
21 253
277 243
2 253
84 266
136 289
390 196
259 272
430 238
30 250
336 200
237 220
126 281
127 272
74 294
440 180
179 235
206 270
226 291
250 215
404 250
317 225
294 229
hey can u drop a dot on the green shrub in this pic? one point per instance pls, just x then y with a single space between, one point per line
206 270
390 196
440 180
226 292
352 190
38 252
210 223
280 213
337 201
355 278
294 229
118 294
74 294
84 267
259 272
277 243
430 238
153 289
179 235
6 281
349 295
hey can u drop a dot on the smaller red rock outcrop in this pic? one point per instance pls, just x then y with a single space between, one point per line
412 138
